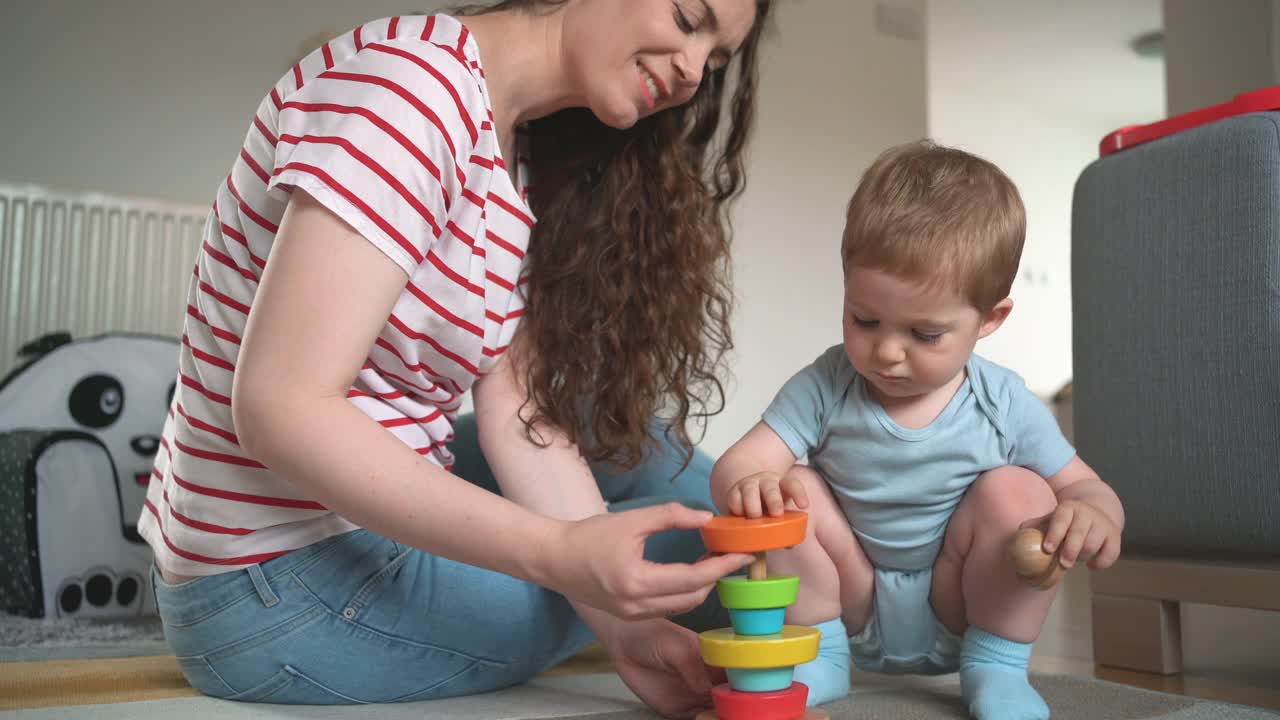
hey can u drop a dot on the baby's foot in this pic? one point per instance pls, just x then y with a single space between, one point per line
827 675
993 678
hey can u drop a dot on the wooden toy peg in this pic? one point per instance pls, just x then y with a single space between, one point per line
1034 566
758 569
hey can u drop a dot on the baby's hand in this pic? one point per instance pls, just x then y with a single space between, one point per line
766 493
1084 533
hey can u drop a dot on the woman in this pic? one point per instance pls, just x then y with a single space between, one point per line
367 263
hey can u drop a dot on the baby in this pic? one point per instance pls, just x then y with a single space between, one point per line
924 459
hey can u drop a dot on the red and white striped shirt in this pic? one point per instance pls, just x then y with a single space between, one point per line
390 127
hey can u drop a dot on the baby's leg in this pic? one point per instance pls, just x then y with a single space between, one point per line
977 593
836 578
836 585
974 582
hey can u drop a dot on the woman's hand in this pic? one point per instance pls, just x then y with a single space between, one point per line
661 663
599 561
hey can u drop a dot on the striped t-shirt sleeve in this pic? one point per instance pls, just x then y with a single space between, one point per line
377 140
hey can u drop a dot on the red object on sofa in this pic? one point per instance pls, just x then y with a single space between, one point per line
1130 135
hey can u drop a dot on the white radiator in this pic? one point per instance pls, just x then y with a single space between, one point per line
91 263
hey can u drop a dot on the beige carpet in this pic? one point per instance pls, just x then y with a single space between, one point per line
101 681
53 683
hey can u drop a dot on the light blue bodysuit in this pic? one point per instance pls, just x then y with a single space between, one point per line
899 486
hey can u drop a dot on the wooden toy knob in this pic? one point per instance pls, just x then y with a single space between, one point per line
1034 566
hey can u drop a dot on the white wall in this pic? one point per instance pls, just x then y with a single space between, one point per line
148 97
1217 50
1033 85
836 91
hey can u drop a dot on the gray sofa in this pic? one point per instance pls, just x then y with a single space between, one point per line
1176 331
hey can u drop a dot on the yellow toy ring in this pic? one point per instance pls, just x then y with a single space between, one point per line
793 646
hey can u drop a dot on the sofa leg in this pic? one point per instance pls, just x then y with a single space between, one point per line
1137 634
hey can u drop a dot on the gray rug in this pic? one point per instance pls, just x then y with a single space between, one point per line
603 697
1068 698
582 697
27 639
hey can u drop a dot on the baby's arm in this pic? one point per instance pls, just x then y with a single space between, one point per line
759 473
835 575
1088 520
750 479
1078 481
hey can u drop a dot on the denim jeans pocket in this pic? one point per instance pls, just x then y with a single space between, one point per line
291 686
368 666
467 679
203 677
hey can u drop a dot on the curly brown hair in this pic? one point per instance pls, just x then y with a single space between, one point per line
629 297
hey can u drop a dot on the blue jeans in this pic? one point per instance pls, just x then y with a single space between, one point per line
358 618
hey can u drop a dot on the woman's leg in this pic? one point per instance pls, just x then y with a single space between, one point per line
358 618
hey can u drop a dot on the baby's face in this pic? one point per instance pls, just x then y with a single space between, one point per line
905 336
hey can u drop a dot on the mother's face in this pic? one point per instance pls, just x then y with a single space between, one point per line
632 58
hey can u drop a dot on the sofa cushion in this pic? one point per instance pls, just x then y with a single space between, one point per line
1176 331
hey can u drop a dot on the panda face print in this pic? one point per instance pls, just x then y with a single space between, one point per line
115 387
97 401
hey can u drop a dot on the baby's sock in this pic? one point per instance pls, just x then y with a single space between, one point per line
827 675
993 678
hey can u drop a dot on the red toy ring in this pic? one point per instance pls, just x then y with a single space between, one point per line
784 704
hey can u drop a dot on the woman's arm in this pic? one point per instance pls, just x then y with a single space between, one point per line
324 296
658 660
555 481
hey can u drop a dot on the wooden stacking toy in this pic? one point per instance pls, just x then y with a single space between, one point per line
759 653
1034 566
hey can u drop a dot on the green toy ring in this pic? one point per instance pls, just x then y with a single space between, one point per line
739 593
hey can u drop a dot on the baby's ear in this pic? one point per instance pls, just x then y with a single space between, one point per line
995 317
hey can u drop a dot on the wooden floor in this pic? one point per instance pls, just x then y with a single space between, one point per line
1229 655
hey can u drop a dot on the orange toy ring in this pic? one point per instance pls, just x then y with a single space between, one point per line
733 534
